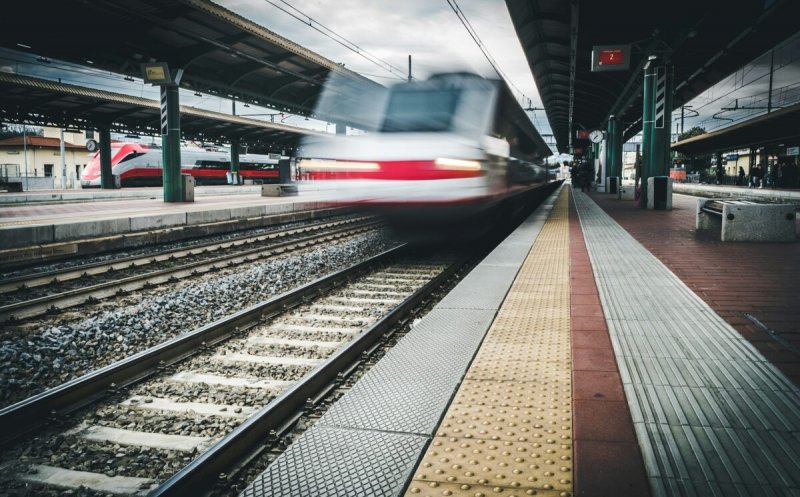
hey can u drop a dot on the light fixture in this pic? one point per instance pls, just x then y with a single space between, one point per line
128 78
198 94
23 45
43 60
246 105
89 61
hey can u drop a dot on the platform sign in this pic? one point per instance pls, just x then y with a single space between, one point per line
611 58
792 150
156 73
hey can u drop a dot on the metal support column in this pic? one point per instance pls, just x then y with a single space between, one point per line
106 174
615 147
171 144
341 129
656 124
235 174
662 128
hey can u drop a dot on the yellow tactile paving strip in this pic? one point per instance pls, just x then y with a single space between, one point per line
508 431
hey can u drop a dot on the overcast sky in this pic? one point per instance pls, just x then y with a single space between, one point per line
391 30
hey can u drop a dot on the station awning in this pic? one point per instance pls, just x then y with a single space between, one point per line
28 100
776 127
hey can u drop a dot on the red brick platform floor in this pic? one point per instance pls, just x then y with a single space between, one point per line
608 461
733 278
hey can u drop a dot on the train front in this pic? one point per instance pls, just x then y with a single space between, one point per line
429 160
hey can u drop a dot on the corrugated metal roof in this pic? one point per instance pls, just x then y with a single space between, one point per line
35 100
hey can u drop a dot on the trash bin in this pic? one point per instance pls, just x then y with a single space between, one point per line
612 184
284 171
188 187
659 193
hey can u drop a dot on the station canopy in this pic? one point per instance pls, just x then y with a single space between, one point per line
220 52
779 127
28 100
704 40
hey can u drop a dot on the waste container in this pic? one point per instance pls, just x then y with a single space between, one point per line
188 187
284 171
659 193
612 184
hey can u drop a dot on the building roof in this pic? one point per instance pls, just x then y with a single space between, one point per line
27 100
36 141
703 41
220 53
776 127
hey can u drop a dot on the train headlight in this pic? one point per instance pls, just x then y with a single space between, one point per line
457 164
333 166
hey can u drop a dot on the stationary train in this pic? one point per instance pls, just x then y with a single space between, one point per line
140 165
442 151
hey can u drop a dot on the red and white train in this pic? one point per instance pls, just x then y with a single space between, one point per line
443 150
140 165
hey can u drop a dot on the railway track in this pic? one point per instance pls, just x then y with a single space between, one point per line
48 293
171 419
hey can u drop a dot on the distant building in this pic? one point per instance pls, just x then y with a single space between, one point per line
44 159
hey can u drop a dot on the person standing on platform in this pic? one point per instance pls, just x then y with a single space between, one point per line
586 177
740 181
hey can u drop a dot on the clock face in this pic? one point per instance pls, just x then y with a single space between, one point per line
596 136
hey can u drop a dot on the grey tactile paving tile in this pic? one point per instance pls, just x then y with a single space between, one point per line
712 416
332 462
408 390
484 288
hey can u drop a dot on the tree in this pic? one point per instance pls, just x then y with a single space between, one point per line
699 163
697 130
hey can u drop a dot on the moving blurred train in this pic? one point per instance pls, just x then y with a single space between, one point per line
139 165
437 152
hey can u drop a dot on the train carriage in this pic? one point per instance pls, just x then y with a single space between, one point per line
141 165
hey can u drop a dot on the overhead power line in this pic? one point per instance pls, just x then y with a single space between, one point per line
398 73
474 35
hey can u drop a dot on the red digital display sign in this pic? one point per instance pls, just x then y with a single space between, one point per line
611 58
583 134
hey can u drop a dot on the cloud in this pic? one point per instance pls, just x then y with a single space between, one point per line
427 30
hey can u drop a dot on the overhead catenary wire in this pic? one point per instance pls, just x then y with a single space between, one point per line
341 40
474 35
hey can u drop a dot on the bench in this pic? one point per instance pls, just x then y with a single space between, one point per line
745 221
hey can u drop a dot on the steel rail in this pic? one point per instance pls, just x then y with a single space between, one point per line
24 416
224 457
55 302
35 280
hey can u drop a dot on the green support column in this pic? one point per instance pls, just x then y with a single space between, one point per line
648 108
607 171
235 143
171 144
656 123
662 125
614 147
106 174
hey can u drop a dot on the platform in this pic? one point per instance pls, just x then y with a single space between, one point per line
575 361
739 192
61 217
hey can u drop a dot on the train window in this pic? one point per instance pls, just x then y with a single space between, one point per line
131 156
213 164
412 110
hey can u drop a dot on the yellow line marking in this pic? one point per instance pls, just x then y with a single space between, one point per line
508 431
